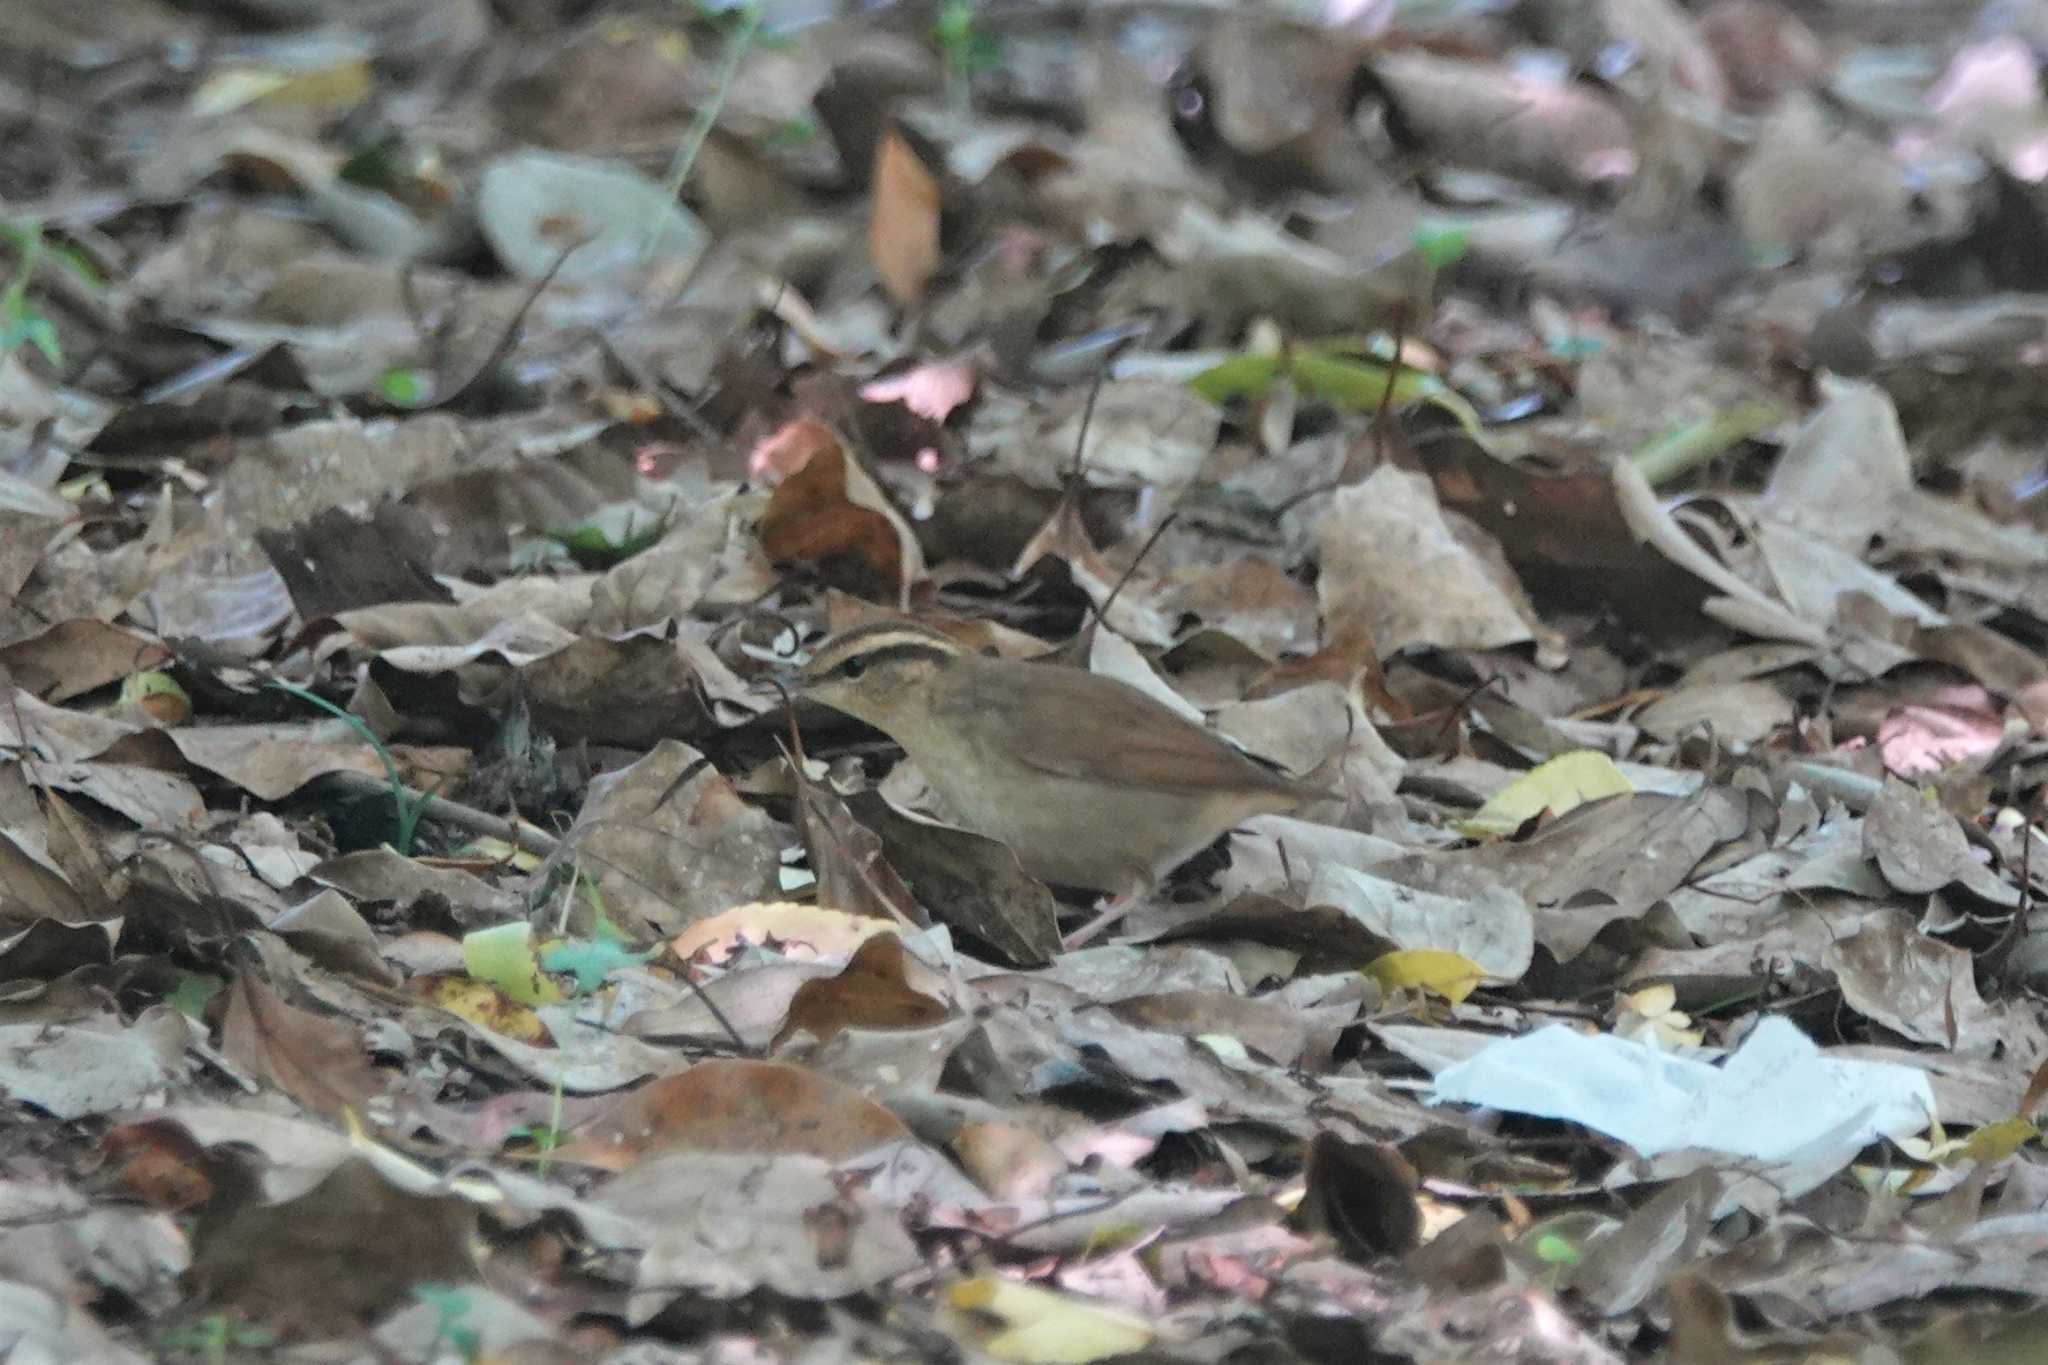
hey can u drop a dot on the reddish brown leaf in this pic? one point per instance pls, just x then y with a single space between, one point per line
871 992
824 517
159 1164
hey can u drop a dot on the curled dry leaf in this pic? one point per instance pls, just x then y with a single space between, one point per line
1392 560
668 841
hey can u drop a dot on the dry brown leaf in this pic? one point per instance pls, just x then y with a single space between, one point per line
903 220
848 860
300 1264
870 992
75 657
740 1107
318 1061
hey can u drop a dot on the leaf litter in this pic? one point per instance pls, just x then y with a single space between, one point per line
1597 441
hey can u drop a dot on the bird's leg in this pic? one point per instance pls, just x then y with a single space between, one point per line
1107 915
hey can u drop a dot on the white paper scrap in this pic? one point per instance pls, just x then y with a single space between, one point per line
1777 1098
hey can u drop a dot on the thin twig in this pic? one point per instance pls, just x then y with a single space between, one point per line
444 811
1101 615
510 337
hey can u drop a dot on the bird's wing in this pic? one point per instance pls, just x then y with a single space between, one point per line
1155 746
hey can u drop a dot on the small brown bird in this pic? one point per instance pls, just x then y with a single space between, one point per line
1092 783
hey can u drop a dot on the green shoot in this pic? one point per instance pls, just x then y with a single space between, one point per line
737 43
18 321
964 45
18 235
408 808
211 1336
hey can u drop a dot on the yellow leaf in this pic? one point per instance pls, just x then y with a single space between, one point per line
482 1005
487 849
1450 975
1040 1327
1651 1001
1993 1142
1650 1015
335 86
158 696
1564 782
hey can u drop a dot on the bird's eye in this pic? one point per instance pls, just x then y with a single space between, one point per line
853 667
1188 103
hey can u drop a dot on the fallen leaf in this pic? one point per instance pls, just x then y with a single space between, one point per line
740 1107
903 220
1430 969
1039 1327
870 992
1565 782
317 1061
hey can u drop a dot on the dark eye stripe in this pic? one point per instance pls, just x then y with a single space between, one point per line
854 666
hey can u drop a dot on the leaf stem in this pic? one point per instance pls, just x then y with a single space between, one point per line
736 47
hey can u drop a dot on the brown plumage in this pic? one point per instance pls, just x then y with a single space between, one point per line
1090 781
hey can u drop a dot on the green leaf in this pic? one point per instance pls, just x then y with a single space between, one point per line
1238 377
954 23
1442 244
402 386
194 989
1686 447
613 533
1361 384
140 687
788 134
43 335
1574 349
448 1301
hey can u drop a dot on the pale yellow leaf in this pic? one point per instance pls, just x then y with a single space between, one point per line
1451 975
1040 1327
1567 781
